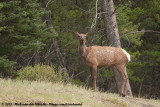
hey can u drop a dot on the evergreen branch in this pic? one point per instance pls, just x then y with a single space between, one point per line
151 31
86 11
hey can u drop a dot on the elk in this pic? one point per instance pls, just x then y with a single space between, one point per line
103 56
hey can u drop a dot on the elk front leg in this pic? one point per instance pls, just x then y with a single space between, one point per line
93 70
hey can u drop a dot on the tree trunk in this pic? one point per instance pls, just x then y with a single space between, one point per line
112 35
36 57
78 2
54 41
155 77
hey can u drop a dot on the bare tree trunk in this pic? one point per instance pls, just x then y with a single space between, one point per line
54 41
155 91
58 53
78 2
112 35
36 57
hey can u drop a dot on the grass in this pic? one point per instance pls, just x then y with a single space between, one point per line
21 92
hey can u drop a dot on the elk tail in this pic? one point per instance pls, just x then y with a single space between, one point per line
127 54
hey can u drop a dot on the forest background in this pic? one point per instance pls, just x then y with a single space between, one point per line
41 32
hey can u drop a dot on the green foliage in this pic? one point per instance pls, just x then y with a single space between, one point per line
125 25
1 5
136 12
147 11
6 67
22 30
40 73
107 73
133 68
135 78
22 26
77 82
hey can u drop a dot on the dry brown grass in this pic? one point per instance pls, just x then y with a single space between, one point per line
12 91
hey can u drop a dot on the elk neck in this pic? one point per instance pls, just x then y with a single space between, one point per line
82 48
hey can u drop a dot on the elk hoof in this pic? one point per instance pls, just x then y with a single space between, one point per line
123 95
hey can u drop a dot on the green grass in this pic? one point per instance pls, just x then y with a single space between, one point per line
16 91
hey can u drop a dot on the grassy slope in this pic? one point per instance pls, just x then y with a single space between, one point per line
36 92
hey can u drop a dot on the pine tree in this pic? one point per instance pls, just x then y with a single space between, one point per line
21 30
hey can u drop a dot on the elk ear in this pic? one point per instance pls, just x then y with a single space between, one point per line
87 33
76 33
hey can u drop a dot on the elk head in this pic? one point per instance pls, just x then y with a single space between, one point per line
82 37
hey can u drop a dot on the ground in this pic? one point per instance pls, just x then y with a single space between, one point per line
16 93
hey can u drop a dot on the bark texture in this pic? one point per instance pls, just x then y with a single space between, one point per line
112 35
36 57
46 18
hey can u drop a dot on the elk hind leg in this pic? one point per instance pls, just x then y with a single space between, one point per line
121 69
125 90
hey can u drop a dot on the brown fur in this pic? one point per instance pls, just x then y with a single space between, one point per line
103 56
